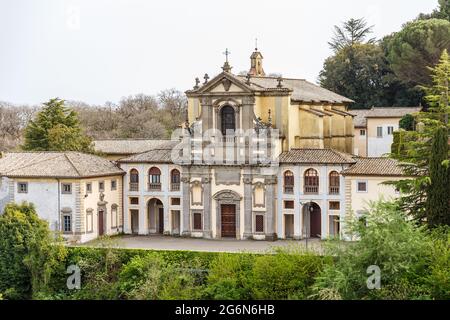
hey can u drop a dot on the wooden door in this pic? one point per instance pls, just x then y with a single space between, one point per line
228 213
134 221
161 220
315 223
288 226
101 230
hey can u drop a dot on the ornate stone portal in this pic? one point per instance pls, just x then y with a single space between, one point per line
227 197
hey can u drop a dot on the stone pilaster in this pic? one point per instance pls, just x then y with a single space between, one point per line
185 188
270 208
248 215
207 228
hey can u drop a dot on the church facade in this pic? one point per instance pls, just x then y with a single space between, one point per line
260 157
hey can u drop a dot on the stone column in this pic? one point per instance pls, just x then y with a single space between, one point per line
185 186
207 231
270 208
248 214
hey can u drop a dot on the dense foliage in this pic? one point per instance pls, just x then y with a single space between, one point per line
361 72
417 46
29 253
388 72
56 128
413 263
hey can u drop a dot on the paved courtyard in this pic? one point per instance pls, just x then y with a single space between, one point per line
192 244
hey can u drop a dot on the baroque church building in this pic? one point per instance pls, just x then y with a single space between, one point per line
261 158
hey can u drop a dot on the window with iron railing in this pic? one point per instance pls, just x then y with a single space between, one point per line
288 182
154 179
311 185
334 182
175 180
134 180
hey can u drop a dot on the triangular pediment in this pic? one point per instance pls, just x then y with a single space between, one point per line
225 82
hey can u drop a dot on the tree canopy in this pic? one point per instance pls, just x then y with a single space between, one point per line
359 72
56 128
352 32
416 47
29 253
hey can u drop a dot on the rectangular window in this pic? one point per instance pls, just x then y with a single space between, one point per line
22 187
335 205
362 186
134 200
66 188
113 185
362 132
289 204
390 130
67 223
175 201
89 187
379 132
259 223
101 186
197 221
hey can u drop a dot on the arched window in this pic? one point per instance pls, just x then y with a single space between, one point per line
288 182
334 182
154 179
311 181
134 180
228 119
175 180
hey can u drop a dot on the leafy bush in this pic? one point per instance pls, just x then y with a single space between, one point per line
404 252
151 277
285 275
229 277
29 253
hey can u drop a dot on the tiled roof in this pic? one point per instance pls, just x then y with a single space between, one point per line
160 154
302 90
126 146
56 165
374 167
315 156
386 112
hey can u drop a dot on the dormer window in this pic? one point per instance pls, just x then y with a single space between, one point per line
228 120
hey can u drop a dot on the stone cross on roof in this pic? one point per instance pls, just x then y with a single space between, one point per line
226 53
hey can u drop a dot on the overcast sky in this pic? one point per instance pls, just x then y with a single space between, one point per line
101 50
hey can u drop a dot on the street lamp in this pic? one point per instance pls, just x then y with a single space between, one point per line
309 210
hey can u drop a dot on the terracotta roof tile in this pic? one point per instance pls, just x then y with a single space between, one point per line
159 154
56 165
386 112
126 146
315 156
374 167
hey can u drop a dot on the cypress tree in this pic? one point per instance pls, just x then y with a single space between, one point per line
437 204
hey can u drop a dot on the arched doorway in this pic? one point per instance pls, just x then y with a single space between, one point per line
312 220
155 212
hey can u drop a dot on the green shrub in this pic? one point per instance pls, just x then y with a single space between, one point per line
29 253
404 252
152 277
285 275
229 277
